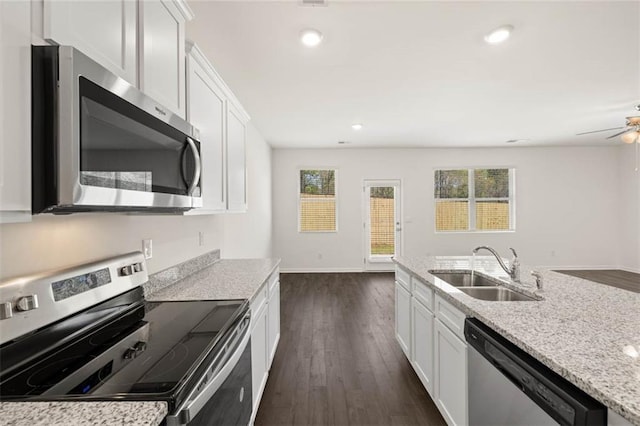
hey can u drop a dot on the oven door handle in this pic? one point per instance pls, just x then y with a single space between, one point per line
197 169
186 414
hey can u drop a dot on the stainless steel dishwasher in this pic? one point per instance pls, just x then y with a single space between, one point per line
509 387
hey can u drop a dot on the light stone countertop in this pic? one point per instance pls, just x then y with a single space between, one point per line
589 333
138 413
225 279
203 278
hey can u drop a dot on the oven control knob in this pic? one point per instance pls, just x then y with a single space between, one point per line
27 303
136 350
6 310
125 271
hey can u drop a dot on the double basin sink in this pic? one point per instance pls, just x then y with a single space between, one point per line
481 287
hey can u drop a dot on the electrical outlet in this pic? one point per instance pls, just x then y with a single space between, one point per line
201 238
553 253
319 256
147 248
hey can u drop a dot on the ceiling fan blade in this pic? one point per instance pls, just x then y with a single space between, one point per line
618 134
598 131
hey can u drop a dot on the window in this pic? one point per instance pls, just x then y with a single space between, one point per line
317 201
474 200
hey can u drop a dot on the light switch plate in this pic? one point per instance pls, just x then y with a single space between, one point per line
147 248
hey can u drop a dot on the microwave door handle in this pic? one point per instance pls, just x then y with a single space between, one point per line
198 168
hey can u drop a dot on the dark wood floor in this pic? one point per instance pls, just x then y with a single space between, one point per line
614 277
338 362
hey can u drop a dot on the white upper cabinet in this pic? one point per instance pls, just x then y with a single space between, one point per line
162 51
102 30
236 160
216 113
206 110
15 111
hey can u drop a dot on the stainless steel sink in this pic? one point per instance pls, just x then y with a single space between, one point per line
464 279
497 294
481 287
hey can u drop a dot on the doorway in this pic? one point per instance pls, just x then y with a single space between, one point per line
382 224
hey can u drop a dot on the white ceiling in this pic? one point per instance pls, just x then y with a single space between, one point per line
419 73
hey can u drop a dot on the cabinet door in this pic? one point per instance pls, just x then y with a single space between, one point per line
422 347
259 355
450 375
103 30
162 56
236 161
15 111
206 111
274 321
403 319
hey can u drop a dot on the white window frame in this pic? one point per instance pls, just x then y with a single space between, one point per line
471 222
335 196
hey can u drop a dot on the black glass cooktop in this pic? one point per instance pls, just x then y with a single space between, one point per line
125 348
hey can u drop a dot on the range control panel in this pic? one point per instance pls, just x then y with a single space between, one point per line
29 303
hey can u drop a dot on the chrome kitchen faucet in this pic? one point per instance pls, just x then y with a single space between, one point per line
513 271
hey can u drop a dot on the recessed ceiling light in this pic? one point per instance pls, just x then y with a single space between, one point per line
310 37
499 35
356 126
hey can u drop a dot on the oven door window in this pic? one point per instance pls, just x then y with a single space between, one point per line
124 147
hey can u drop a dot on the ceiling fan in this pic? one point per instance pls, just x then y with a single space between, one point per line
630 134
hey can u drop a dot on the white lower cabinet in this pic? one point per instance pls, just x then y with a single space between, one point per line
403 319
430 331
265 334
259 370
450 375
274 320
422 343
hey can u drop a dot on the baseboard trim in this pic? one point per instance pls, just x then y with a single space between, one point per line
318 270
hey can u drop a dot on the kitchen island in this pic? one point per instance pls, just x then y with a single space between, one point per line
586 332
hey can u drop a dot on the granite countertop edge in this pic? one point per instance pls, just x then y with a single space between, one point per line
474 308
64 413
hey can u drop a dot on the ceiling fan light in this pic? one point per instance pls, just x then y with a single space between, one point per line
631 136
633 121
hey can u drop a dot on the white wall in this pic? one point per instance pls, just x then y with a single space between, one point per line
567 210
629 214
57 241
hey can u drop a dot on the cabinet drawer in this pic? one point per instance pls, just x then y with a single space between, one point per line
403 278
450 316
422 292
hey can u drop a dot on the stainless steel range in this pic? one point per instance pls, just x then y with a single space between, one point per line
87 333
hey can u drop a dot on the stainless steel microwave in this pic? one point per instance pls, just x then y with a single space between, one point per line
99 144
